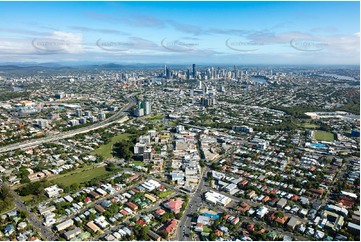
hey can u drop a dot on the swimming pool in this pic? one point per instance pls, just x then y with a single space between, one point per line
318 146
214 216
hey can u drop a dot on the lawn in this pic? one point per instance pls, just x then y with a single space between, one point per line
207 229
154 118
171 123
138 163
27 198
323 135
165 193
106 150
81 177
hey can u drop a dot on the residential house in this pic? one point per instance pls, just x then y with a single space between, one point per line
293 222
174 205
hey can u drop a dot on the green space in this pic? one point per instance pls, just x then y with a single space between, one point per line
138 163
154 118
323 135
6 200
81 177
309 126
171 123
28 198
207 229
106 150
165 193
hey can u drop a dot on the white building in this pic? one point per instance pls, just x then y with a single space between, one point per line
217 198
53 191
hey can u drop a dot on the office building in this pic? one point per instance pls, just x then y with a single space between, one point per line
147 107
78 113
101 116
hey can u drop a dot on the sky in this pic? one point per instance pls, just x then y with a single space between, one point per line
181 32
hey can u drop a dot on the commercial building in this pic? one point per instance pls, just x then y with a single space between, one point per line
217 198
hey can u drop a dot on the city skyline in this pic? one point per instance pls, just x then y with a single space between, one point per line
181 32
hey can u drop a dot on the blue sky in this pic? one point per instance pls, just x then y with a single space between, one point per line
181 32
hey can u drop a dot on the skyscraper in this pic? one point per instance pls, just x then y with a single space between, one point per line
194 70
147 107
167 73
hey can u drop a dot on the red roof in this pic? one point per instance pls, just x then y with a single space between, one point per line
135 190
141 222
250 227
170 226
161 188
124 212
132 206
160 212
174 205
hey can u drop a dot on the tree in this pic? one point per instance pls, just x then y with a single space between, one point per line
212 236
6 200
110 167
123 149
24 214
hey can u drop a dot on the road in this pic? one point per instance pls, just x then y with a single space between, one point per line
63 135
184 227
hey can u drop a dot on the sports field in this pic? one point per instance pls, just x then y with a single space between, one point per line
323 135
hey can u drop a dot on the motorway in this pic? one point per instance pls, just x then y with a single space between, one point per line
63 135
44 231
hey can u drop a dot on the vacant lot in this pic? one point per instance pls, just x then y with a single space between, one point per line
323 135
81 177
106 150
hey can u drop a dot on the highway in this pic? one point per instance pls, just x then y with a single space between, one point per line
63 135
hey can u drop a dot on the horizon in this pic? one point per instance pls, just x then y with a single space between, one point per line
179 33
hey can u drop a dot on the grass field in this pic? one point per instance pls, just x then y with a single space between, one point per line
81 177
27 198
106 150
323 135
165 193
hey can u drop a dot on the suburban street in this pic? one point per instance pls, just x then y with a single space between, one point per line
45 232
